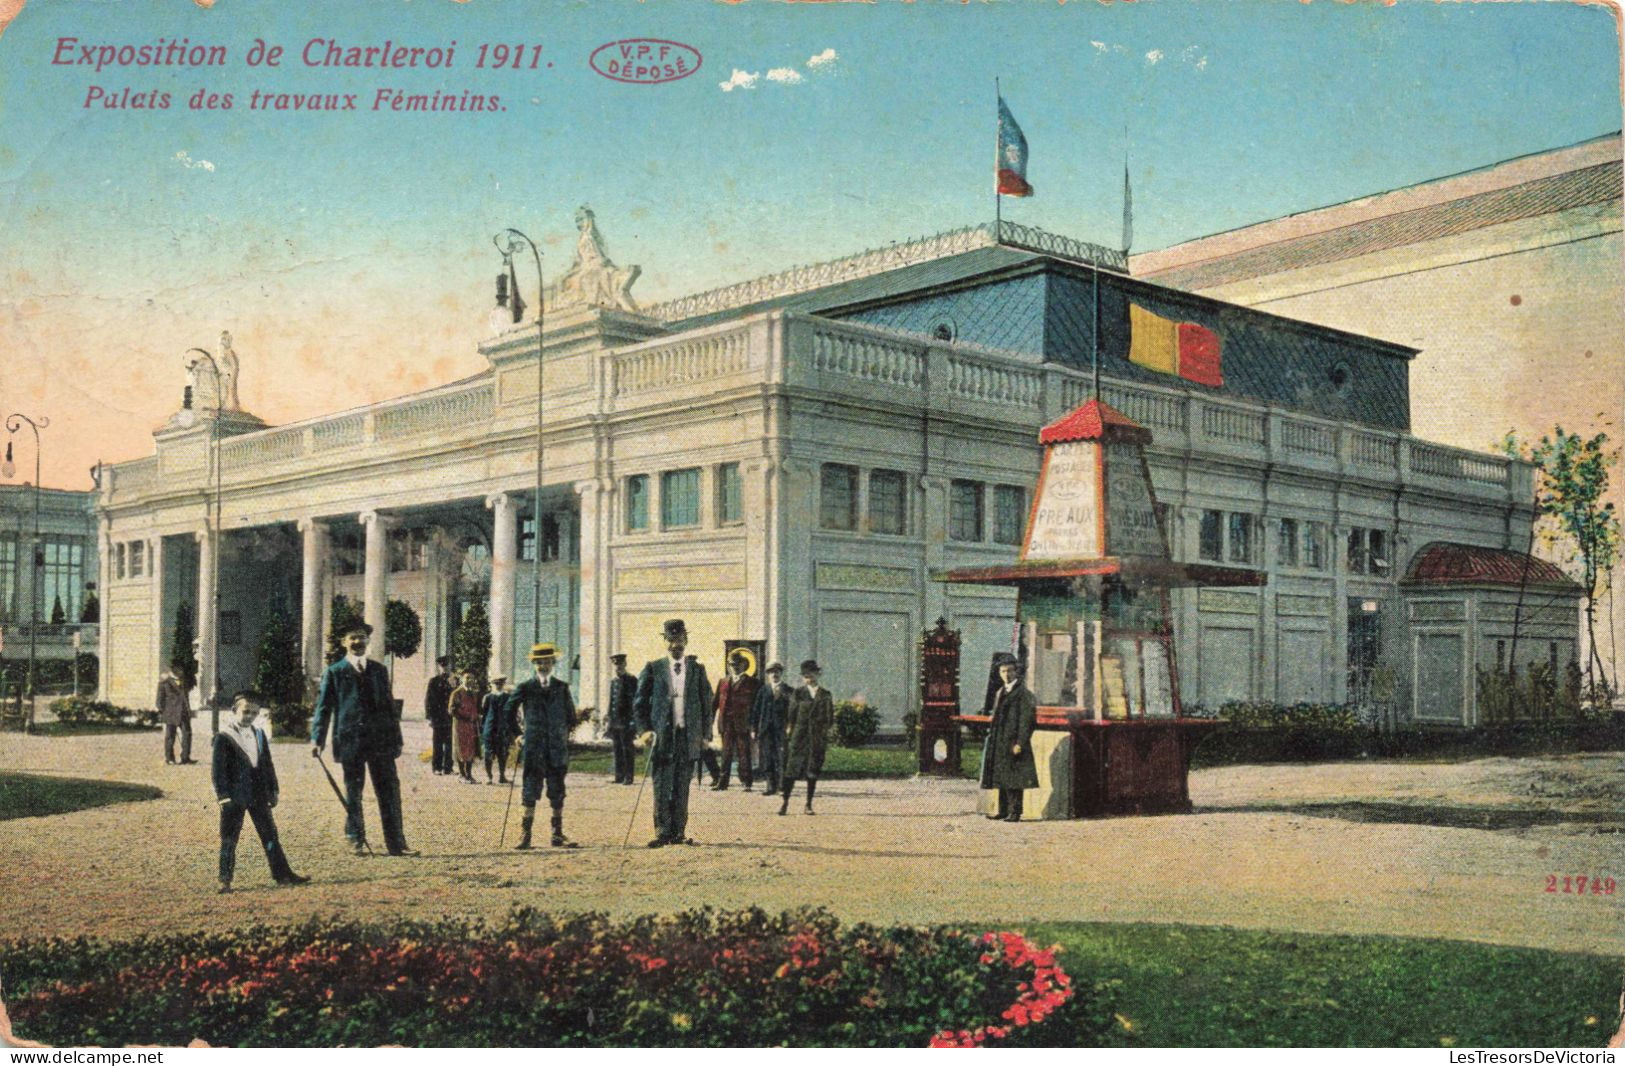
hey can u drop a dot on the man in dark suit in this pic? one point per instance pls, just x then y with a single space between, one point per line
1007 757
355 699
245 783
619 722
550 715
437 708
735 697
673 705
175 711
767 717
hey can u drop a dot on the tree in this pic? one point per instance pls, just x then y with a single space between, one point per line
402 631
279 677
344 612
182 650
58 615
91 613
471 647
1573 480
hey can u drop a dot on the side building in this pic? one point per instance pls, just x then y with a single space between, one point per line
49 594
790 459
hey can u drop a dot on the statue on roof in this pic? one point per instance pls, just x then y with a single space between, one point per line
593 280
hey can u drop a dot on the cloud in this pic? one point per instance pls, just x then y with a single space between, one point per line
739 80
189 163
785 75
823 60
1154 56
1190 55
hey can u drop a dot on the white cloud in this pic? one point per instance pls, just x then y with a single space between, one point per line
1101 46
786 75
1201 64
739 80
1154 56
189 163
823 59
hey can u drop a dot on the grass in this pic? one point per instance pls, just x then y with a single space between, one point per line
38 795
1183 986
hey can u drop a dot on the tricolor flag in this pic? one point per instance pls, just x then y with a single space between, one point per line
1169 347
1012 161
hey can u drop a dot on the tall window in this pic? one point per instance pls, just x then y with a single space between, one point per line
637 503
680 498
408 550
838 497
1314 545
730 495
118 560
1241 533
1210 539
527 538
1287 543
63 576
1228 537
1369 553
888 502
138 557
965 510
1009 513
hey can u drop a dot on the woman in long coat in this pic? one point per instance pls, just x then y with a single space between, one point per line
465 715
1007 755
812 712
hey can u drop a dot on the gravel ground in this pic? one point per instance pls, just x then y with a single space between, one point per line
1454 850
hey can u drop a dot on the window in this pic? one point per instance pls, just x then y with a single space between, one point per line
1356 551
1009 513
1210 540
1241 535
730 495
965 510
62 576
349 556
637 503
408 550
8 577
550 538
1368 552
118 563
888 502
680 498
1287 543
1314 545
838 497
138 558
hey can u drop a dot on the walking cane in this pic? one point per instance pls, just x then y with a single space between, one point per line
648 768
502 841
342 801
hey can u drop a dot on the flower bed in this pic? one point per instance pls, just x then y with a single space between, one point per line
700 978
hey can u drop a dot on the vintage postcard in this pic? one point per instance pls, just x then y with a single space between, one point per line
751 524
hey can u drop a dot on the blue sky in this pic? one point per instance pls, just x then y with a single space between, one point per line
317 237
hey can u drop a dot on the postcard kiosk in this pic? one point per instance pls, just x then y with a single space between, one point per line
1094 627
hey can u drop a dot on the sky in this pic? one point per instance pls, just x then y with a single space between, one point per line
350 254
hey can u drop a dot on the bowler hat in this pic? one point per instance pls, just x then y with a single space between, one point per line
674 627
499 679
1004 658
357 626
618 657
543 651
810 666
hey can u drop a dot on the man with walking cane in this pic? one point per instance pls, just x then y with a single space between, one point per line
674 706
355 699
549 716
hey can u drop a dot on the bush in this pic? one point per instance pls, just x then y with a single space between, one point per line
700 978
83 710
855 724
290 719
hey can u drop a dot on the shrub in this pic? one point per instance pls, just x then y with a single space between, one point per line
700 978
83 710
911 726
855 724
290 719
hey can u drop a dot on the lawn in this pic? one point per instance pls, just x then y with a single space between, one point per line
1186 986
38 795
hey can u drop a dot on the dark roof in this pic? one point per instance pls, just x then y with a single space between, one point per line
1542 196
1445 563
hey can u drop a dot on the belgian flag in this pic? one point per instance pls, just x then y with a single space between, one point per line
1169 347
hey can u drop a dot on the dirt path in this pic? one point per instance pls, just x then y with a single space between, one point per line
1459 850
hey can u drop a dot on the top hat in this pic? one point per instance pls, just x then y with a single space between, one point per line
618 657
810 666
356 626
674 628
543 651
1004 658
774 668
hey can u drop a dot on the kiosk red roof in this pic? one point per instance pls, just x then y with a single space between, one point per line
1445 563
1095 420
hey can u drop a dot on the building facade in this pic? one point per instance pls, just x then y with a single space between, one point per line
58 596
792 459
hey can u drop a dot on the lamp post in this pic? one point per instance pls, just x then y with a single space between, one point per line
213 606
14 423
510 242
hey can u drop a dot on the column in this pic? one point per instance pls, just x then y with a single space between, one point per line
798 508
504 575
593 627
104 573
312 639
570 590
934 532
206 615
375 579
159 654
754 478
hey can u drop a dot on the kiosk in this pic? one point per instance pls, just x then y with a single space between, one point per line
1093 626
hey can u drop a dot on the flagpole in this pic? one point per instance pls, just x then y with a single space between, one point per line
1094 332
998 198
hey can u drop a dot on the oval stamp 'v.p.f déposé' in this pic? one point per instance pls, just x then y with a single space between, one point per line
645 60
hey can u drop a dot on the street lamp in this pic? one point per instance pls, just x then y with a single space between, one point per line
213 605
14 423
510 242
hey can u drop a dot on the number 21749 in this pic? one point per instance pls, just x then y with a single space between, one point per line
1579 886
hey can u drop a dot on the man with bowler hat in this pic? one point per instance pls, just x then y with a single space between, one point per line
767 716
673 705
549 715
1007 754
735 697
437 708
812 712
620 722
355 699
